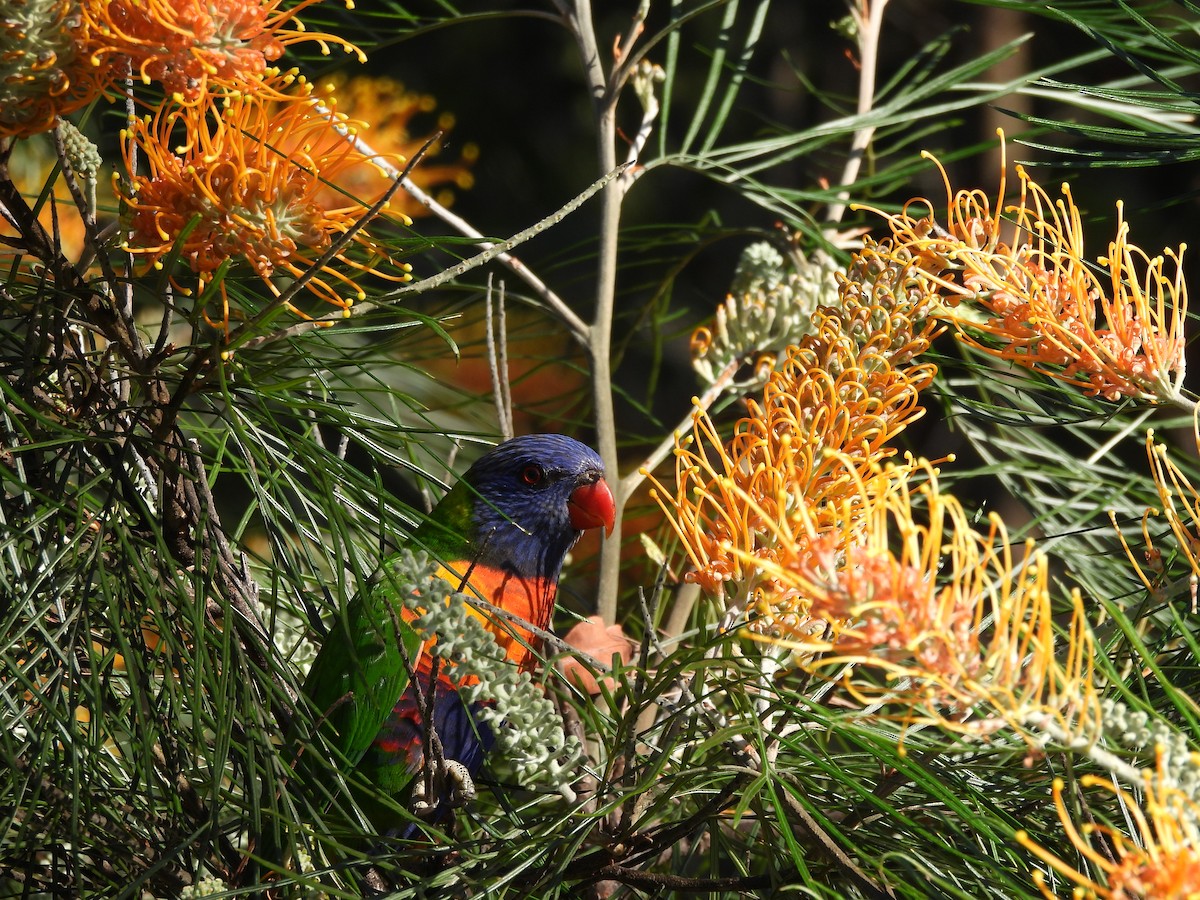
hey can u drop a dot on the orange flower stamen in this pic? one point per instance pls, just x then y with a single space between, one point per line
1162 860
183 44
1114 331
230 191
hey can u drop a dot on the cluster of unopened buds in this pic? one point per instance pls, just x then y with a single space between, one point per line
528 729
769 308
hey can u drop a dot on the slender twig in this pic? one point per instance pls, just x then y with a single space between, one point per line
87 211
1084 744
492 252
869 16
643 82
497 350
126 287
623 46
505 381
433 758
578 18
556 304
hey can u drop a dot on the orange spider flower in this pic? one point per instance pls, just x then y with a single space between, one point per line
390 110
183 44
879 302
825 415
45 68
829 409
1114 329
1162 861
907 597
896 592
230 193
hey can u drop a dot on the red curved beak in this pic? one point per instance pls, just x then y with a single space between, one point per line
591 506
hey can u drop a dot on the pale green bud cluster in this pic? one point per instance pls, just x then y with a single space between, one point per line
1136 729
528 729
84 159
81 153
644 79
769 308
205 887
760 268
409 574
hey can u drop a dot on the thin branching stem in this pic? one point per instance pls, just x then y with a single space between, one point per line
868 15
559 307
446 275
604 100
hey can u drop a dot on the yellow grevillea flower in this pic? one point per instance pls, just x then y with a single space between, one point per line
1179 503
828 410
959 628
45 67
1160 862
825 415
1114 328
183 44
231 193
919 609
390 110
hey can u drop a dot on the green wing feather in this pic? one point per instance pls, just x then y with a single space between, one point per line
446 534
360 672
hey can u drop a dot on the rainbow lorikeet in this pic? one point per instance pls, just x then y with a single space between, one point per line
501 532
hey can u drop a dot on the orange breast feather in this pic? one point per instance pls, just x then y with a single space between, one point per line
530 600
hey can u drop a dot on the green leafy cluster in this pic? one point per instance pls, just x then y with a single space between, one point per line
528 729
179 522
769 308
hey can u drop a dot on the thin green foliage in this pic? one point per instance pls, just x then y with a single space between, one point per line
183 514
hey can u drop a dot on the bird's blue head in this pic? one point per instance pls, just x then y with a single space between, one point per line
533 497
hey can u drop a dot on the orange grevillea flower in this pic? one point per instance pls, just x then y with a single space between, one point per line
905 589
1160 862
828 410
390 111
45 68
183 44
893 590
1114 327
825 414
1179 502
878 302
229 193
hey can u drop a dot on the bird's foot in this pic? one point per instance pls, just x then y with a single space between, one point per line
452 787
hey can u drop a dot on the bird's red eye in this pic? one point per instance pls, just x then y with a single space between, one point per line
532 474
